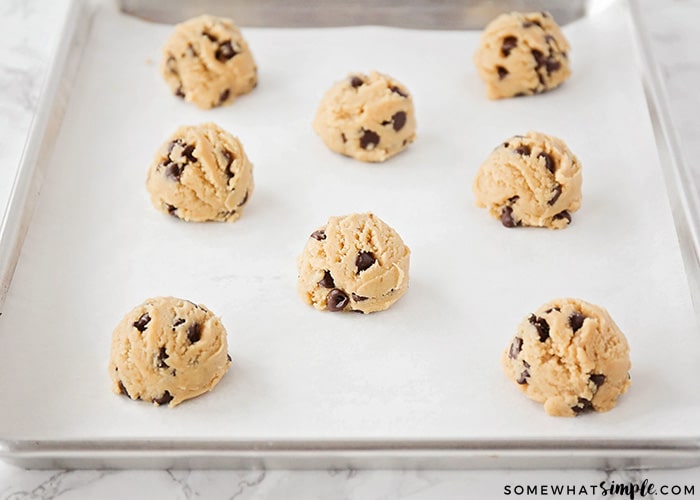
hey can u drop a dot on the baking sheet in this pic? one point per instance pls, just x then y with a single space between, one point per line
426 369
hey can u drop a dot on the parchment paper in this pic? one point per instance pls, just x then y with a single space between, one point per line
427 368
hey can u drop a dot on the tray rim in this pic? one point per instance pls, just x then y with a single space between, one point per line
370 453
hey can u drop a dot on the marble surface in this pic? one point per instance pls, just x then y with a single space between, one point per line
29 29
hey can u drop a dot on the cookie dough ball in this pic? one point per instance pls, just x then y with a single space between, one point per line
207 62
168 350
531 180
522 54
201 173
571 356
369 118
353 263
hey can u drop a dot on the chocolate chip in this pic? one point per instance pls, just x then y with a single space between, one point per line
171 210
397 90
327 280
164 399
225 214
178 322
520 94
369 139
541 326
162 356
399 120
539 57
523 150
597 379
343 138
336 300
194 333
583 406
513 199
224 96
576 321
225 52
187 153
530 24
245 199
228 357
358 298
228 156
174 171
210 36
563 215
557 194
506 144
548 161
364 261
140 324
523 377
190 50
552 65
515 348
509 43
549 39
552 309
122 390
502 72
507 217
319 235
179 93
526 364
356 81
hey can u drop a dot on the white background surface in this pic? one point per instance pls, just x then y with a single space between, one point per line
26 35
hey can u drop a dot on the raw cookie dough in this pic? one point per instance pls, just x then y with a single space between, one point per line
167 350
353 263
369 118
571 356
207 62
531 180
201 173
522 54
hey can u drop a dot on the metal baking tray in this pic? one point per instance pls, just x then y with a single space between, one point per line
416 386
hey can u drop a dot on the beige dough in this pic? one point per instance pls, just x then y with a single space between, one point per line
168 350
353 263
571 356
367 117
201 173
531 180
522 54
207 62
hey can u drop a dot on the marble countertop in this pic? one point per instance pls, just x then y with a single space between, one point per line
29 29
